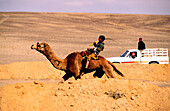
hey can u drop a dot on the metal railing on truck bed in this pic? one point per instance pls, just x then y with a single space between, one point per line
159 52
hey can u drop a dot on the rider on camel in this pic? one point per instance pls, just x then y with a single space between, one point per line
98 47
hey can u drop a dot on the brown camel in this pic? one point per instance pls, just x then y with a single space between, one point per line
73 63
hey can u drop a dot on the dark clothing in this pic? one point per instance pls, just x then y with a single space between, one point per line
98 47
141 45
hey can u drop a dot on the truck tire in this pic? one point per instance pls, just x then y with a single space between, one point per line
115 62
153 62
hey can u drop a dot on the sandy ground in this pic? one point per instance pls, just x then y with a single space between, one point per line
26 85
95 94
34 86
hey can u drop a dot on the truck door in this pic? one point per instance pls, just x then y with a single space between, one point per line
132 57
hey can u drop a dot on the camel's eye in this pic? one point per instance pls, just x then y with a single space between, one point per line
42 46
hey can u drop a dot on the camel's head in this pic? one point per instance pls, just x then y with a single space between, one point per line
39 47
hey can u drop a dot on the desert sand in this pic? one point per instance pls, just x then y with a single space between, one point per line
28 82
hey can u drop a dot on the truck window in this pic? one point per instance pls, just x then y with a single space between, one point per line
133 54
124 54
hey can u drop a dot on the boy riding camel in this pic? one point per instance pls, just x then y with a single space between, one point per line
94 52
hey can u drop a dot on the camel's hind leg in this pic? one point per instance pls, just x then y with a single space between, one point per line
99 73
109 71
115 69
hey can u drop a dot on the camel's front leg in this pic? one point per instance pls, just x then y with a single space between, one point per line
65 77
78 74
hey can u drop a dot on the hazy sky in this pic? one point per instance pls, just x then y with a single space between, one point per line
89 6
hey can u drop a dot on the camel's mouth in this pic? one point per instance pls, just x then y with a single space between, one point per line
34 46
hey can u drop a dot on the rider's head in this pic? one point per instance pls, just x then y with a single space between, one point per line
101 38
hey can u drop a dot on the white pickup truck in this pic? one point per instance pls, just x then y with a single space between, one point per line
146 56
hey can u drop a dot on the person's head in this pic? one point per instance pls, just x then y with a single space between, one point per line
140 39
101 38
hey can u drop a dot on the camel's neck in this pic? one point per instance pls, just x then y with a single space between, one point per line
55 61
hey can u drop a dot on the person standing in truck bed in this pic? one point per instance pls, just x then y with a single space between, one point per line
141 44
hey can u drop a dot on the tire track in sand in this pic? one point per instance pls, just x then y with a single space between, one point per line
53 81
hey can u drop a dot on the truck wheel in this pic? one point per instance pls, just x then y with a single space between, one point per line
154 62
115 62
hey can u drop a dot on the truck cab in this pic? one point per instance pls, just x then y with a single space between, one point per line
146 56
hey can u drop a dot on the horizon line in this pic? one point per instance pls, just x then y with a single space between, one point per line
85 12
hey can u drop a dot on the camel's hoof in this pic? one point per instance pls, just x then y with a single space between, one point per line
61 81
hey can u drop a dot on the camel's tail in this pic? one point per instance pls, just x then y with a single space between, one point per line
115 69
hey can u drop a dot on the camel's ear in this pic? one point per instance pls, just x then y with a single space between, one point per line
38 44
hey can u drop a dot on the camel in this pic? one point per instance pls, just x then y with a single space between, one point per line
73 63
